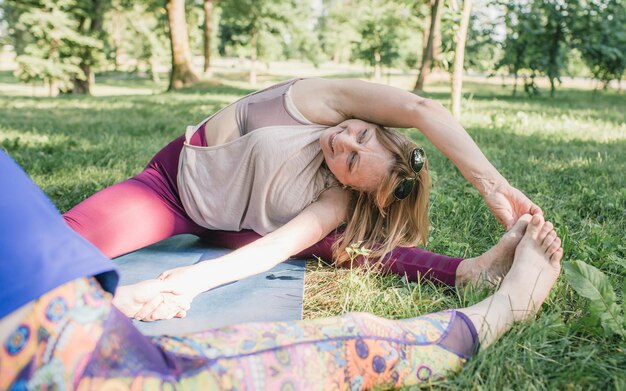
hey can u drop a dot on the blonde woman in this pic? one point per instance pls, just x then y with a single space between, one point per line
293 163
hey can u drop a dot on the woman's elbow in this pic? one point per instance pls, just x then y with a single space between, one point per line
421 108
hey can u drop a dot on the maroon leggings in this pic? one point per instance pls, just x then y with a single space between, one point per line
146 209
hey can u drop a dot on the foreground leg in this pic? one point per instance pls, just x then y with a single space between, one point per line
357 351
535 268
74 338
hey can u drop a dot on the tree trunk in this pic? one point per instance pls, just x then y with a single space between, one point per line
83 86
208 11
253 55
436 49
427 56
459 56
116 37
53 87
377 70
152 64
96 21
182 74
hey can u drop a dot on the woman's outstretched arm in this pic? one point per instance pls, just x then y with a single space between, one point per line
338 100
306 229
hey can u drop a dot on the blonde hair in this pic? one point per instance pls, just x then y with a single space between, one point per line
379 221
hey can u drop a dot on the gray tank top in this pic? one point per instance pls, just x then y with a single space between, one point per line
259 181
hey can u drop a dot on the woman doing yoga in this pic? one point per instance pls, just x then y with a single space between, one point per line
60 330
293 163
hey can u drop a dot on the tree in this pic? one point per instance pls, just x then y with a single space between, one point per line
482 51
49 43
517 46
598 33
137 31
208 13
337 29
554 38
537 40
382 28
263 27
427 55
182 73
90 16
459 55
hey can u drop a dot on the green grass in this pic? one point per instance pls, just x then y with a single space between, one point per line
568 154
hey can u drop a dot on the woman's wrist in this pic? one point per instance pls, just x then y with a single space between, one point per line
187 280
488 184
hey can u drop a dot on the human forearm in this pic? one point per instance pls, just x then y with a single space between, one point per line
440 127
306 229
394 107
235 266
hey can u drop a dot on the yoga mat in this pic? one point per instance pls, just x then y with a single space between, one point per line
271 296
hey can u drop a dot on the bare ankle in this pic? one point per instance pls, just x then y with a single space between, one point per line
466 272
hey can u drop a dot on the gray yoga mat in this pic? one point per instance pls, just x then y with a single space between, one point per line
271 296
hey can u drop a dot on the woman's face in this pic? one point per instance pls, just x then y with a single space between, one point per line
354 155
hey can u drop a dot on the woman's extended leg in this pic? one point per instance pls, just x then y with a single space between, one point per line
413 262
125 217
351 351
137 212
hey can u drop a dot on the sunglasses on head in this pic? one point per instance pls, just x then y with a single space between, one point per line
416 162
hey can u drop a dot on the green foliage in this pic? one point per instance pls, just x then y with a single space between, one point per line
375 32
591 283
137 28
383 28
598 33
536 40
481 50
336 29
276 28
355 250
52 41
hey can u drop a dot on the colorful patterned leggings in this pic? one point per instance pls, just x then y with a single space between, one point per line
74 338
146 209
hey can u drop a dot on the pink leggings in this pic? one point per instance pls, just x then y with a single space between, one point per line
146 209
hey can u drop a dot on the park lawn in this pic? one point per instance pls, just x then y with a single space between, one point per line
568 154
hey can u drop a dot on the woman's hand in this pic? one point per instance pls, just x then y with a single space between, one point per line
508 204
178 291
172 305
131 298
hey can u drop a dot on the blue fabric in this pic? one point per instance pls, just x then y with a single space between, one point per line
38 251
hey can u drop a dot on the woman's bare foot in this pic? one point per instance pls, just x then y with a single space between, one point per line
489 268
536 267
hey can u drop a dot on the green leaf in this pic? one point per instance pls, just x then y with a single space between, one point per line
591 283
